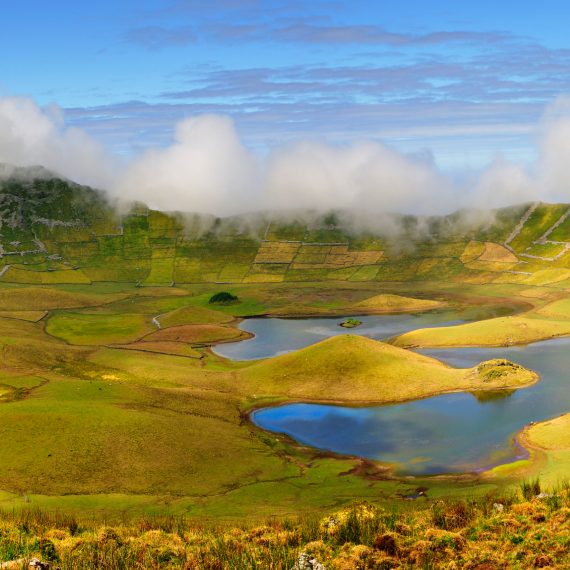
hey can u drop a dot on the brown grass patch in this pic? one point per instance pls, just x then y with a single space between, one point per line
197 334
497 252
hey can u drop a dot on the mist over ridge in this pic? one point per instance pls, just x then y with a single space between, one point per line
208 169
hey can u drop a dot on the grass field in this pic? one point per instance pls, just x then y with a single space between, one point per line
86 329
193 316
472 533
84 409
198 334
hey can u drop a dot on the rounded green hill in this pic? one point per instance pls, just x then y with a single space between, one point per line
359 369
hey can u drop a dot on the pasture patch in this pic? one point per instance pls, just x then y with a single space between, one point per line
161 347
194 316
198 334
86 329
497 252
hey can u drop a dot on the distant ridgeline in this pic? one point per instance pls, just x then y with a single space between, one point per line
55 231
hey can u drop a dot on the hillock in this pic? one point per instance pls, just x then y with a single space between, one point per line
393 303
355 368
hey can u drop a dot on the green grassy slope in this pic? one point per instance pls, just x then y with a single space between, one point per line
54 231
355 368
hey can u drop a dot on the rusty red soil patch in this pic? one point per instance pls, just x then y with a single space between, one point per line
197 334
162 347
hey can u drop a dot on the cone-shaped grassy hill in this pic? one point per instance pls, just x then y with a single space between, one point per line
388 303
355 368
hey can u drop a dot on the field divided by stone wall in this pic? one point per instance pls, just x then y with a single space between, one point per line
56 232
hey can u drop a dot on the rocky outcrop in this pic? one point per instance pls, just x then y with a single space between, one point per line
307 562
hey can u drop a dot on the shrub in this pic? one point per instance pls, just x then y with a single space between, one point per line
223 298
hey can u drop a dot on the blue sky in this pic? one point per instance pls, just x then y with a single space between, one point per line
464 79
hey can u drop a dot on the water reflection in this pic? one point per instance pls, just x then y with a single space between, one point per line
456 432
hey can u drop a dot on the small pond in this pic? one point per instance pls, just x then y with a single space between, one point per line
443 434
274 337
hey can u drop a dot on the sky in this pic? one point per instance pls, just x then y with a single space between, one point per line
456 87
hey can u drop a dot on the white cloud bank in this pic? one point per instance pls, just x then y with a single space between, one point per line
30 136
207 168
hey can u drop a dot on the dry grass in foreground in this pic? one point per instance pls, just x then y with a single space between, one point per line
512 531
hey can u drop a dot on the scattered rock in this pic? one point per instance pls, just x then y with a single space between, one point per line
37 564
498 508
307 562
544 496
332 522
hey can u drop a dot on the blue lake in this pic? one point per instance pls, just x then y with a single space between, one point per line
274 337
443 434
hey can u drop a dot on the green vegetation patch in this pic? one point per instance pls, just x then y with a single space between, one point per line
503 223
14 275
342 274
45 298
222 298
366 273
187 270
194 316
90 425
233 272
557 310
69 276
541 220
546 276
161 271
403 271
99 274
305 274
87 329
350 323
548 250
479 277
